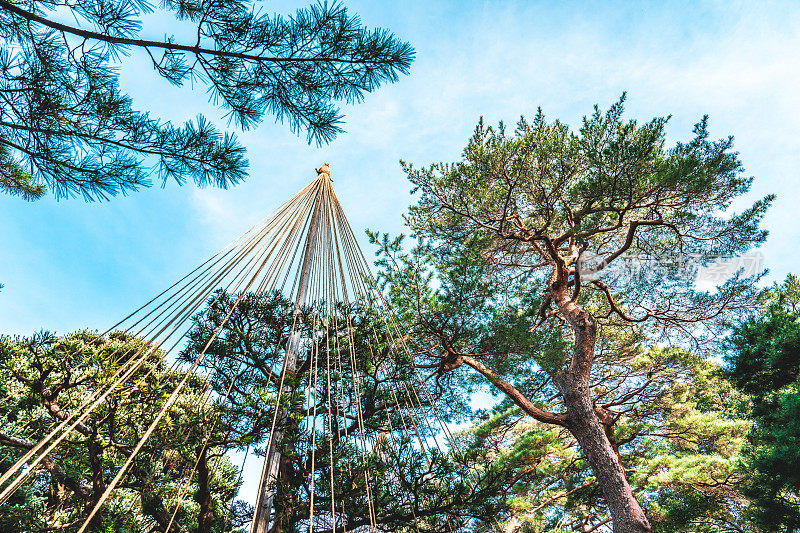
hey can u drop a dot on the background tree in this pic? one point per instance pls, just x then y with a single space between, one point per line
65 123
679 433
764 363
524 271
246 359
46 377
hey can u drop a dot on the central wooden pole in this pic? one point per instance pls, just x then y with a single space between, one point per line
272 461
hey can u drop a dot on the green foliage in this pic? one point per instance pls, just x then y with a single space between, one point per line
686 510
681 438
764 362
66 124
15 180
245 363
45 377
553 261
766 348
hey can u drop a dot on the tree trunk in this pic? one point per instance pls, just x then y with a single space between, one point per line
95 463
274 462
205 517
585 426
274 458
582 420
285 505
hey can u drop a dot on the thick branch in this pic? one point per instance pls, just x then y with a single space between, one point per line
516 396
55 470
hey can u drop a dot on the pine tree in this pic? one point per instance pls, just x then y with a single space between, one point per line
65 123
764 363
45 378
245 361
549 253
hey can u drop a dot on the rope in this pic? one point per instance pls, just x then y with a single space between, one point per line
307 251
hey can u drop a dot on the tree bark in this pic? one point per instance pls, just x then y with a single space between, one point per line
205 518
585 426
582 420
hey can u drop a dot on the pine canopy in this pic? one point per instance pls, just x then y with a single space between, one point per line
67 125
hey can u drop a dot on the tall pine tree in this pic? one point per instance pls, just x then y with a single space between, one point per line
549 254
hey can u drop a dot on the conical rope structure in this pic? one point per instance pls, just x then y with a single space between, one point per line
351 429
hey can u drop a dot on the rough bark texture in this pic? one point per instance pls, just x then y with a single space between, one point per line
582 419
205 518
585 426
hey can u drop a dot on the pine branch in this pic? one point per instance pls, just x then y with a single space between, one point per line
167 45
67 125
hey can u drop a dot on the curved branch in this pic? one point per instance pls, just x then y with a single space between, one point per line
628 242
614 307
516 396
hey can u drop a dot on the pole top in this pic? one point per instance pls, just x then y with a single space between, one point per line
324 170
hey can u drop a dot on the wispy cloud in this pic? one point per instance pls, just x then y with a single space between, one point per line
735 61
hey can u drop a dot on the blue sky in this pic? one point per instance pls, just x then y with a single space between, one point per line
69 264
